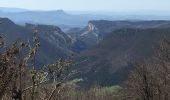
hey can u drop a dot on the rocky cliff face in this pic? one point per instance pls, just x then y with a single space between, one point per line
83 38
96 31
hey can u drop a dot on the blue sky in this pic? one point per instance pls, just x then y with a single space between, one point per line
90 5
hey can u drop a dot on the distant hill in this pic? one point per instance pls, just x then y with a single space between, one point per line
42 17
12 10
96 30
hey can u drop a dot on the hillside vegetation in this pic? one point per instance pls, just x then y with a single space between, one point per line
126 64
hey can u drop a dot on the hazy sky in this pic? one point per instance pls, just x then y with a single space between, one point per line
90 5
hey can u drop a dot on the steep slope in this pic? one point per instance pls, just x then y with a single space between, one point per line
53 34
11 31
54 42
109 62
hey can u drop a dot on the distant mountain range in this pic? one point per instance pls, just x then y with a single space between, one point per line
66 20
58 17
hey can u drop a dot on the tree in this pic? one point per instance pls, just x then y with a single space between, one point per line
150 79
19 78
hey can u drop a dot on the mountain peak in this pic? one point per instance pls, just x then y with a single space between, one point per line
61 11
6 21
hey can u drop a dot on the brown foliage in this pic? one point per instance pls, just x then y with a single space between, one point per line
150 79
19 78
